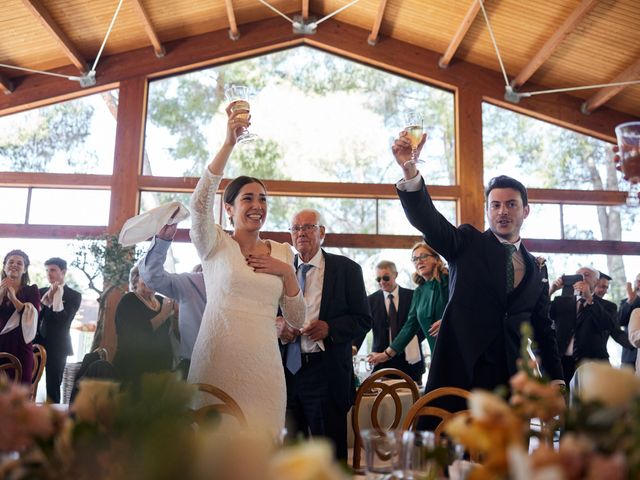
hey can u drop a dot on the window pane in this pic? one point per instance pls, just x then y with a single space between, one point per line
77 136
393 221
319 118
543 222
543 155
17 198
69 207
150 200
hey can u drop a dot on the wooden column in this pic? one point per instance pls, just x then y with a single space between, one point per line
469 160
132 110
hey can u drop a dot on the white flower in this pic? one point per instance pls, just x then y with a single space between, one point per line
599 381
485 405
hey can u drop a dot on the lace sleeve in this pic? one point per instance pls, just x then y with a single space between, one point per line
293 308
204 231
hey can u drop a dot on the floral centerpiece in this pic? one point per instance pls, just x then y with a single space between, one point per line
143 433
600 429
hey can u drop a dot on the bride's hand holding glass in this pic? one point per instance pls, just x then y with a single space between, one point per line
237 123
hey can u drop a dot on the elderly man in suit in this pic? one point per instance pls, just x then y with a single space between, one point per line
496 284
317 358
582 321
59 304
389 310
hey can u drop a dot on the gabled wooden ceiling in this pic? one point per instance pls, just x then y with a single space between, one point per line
547 43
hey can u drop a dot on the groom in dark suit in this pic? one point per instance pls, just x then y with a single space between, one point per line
317 358
388 321
496 284
59 304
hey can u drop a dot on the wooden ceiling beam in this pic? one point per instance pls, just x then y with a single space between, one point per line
70 50
305 9
375 30
632 72
553 42
148 28
462 30
234 33
6 84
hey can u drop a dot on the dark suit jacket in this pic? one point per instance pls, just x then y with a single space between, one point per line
380 327
628 354
344 307
479 311
53 331
592 327
618 334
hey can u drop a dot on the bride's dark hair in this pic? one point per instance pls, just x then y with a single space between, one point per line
235 185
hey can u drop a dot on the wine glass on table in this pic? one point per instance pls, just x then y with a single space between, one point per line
415 129
628 135
238 96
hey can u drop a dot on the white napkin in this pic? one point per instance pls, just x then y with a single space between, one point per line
56 302
29 322
146 225
412 351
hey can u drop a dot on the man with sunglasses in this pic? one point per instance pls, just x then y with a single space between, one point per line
317 358
496 285
389 310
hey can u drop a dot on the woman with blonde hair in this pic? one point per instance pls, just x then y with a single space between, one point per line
427 306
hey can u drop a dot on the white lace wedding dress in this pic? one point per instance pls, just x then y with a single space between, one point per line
237 347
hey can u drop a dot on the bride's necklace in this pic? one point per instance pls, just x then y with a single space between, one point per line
153 304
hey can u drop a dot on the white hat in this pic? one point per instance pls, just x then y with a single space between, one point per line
146 225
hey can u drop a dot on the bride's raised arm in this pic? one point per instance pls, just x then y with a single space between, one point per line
203 232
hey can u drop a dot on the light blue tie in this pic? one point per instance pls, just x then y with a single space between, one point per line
294 350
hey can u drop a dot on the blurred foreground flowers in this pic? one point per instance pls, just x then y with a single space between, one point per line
145 433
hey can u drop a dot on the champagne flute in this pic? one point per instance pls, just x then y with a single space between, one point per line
628 135
414 128
239 96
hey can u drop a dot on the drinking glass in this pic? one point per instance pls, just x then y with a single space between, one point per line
381 450
414 128
418 456
628 135
239 94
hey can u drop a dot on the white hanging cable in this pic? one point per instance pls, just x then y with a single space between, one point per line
495 45
336 12
31 70
572 89
266 4
106 37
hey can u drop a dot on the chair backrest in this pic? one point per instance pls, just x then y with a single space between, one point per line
424 408
388 392
10 363
39 362
221 403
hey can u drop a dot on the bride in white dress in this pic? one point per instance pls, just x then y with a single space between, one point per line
246 279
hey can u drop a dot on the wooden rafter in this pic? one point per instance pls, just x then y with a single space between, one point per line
554 41
462 30
305 9
373 37
632 72
148 27
6 84
70 50
234 33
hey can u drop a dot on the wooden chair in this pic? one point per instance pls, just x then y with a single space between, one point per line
375 386
10 363
424 408
39 362
224 405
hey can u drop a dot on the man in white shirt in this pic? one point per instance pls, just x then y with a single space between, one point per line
59 304
317 358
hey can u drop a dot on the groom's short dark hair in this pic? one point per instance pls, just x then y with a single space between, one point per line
503 181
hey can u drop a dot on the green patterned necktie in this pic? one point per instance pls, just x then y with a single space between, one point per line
510 249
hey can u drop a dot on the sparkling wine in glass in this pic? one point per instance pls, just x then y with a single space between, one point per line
415 129
239 96
628 135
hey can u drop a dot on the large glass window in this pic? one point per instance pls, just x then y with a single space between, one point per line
52 206
318 117
76 136
14 202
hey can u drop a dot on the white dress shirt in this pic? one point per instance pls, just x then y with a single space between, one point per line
312 298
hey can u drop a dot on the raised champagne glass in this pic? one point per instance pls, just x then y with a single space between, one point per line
415 129
239 96
628 135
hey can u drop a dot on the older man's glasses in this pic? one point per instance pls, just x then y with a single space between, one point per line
423 256
307 227
386 278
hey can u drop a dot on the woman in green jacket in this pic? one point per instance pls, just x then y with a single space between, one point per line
427 306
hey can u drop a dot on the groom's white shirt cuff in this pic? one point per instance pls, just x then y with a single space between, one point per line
412 185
